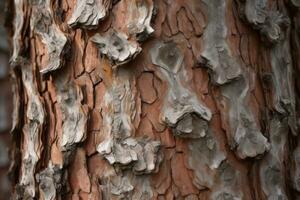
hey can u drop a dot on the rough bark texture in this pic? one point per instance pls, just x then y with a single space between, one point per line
156 99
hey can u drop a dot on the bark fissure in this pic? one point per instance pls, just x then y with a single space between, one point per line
151 99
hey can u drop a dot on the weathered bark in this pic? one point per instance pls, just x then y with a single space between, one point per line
156 99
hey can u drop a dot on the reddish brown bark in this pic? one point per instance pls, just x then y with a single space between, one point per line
156 99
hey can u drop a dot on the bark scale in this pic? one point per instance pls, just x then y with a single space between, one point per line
156 99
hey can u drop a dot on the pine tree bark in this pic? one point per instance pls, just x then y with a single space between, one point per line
155 99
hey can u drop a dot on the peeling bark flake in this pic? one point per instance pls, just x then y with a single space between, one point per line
19 26
272 169
137 15
49 182
181 110
43 23
243 134
116 46
35 116
270 23
205 157
74 114
119 146
217 55
88 13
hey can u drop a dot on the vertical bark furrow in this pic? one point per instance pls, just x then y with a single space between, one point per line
156 99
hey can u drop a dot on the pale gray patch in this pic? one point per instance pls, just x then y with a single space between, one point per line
143 188
88 13
283 82
216 55
120 186
255 11
181 108
204 158
272 28
53 38
229 186
245 135
138 23
272 166
35 116
116 46
128 186
16 103
140 153
74 115
119 147
18 28
49 182
269 23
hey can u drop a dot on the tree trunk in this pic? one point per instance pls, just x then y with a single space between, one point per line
155 99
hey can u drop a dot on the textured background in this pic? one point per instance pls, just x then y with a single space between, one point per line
5 107
156 99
